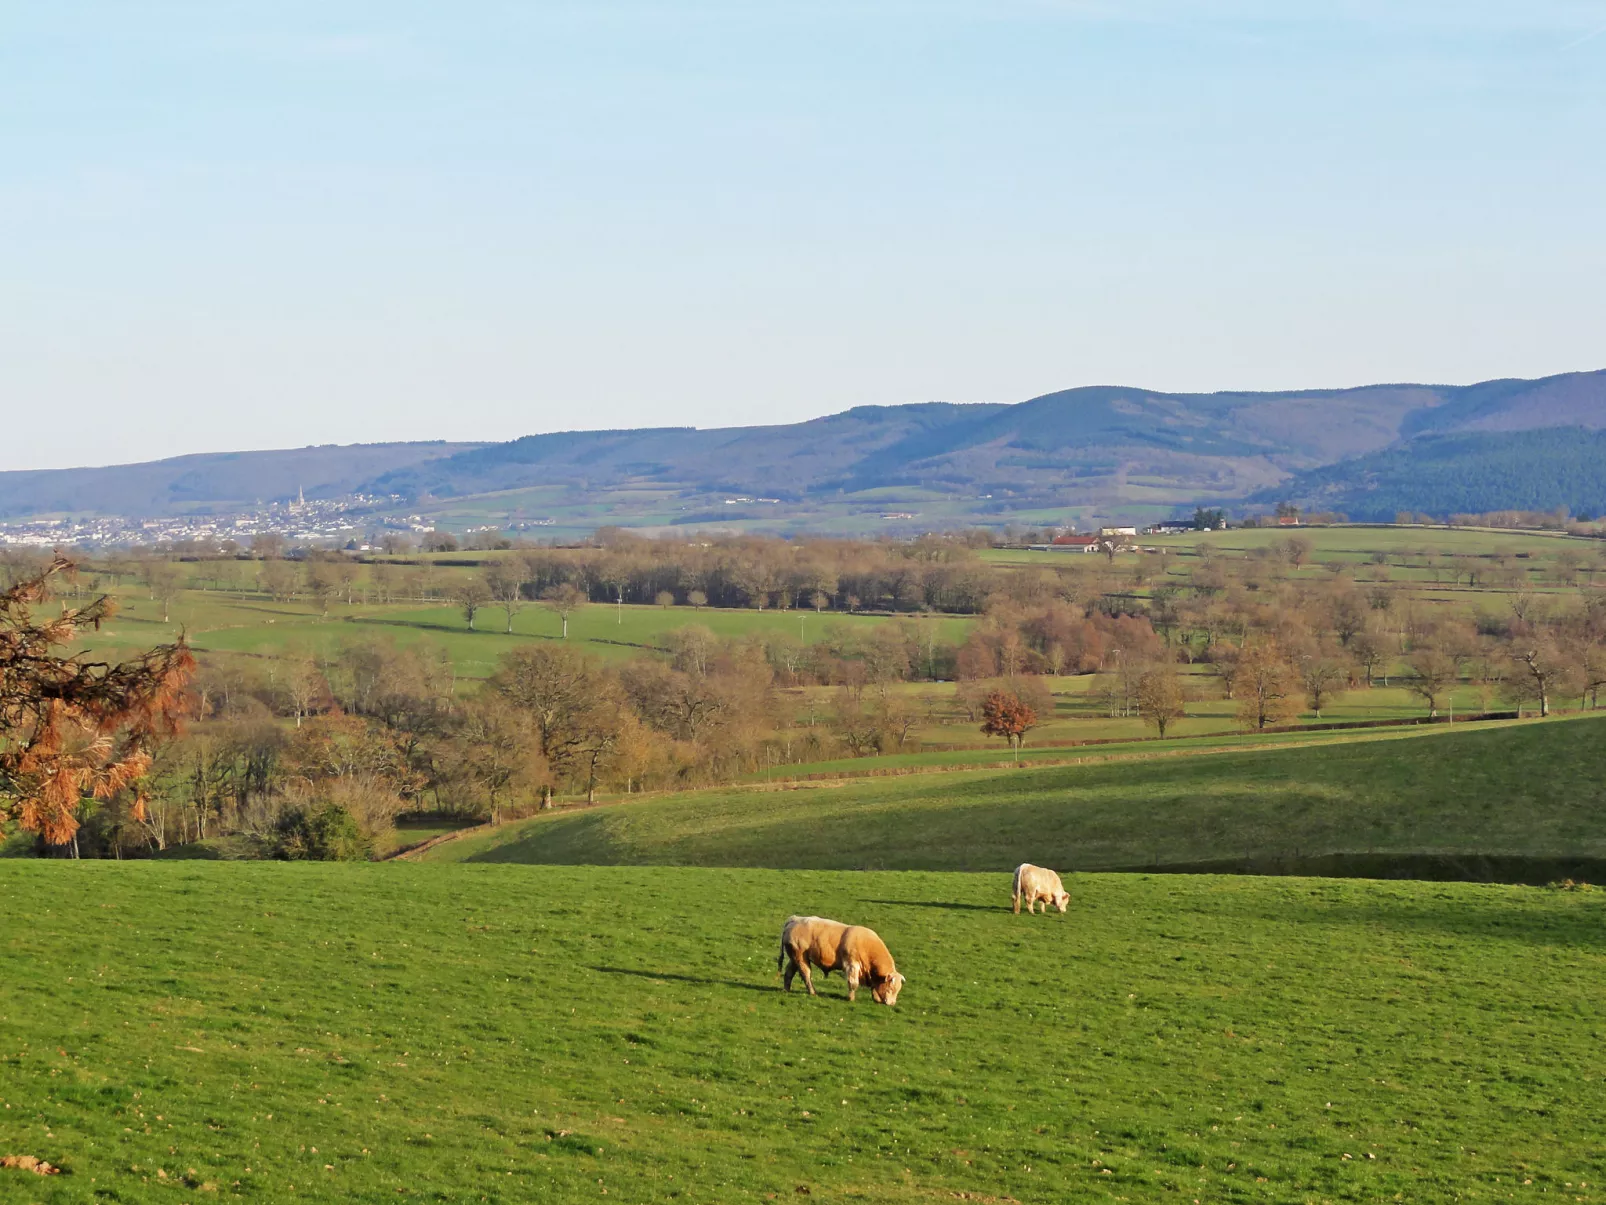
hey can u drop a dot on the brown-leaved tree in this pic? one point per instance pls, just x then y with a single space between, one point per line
72 728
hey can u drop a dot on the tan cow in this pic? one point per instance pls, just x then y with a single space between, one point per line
1037 885
857 952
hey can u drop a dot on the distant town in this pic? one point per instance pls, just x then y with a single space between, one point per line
316 522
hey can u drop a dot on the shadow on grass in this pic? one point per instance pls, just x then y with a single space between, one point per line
946 904
699 980
1532 871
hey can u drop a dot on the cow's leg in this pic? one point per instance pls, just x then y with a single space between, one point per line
851 971
1017 901
808 980
791 970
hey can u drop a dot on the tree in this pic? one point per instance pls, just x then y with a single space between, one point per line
303 688
1263 683
691 649
563 600
323 584
665 599
72 728
279 579
505 583
567 698
498 750
267 546
1005 715
1545 667
326 833
1369 650
1434 674
346 575
697 599
1322 677
470 595
1160 698
164 579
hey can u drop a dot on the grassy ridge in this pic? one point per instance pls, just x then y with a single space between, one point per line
1533 789
179 1032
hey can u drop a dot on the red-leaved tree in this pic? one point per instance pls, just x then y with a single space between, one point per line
72 728
1002 714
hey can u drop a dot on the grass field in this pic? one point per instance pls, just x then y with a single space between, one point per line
189 1032
223 623
1533 789
1342 543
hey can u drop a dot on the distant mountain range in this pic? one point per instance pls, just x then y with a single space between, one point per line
1093 452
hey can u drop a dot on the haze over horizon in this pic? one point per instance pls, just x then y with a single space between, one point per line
268 227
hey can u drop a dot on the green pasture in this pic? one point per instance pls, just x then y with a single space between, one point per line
221 622
186 1032
918 760
945 735
1528 789
1343 542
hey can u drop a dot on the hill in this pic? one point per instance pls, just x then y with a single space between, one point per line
1528 791
210 483
1099 445
1093 452
1467 473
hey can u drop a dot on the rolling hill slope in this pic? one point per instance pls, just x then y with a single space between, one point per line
1527 793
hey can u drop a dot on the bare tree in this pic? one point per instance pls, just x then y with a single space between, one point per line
564 600
470 595
1160 698
165 580
505 582
1434 675
1545 667
1323 676
1264 682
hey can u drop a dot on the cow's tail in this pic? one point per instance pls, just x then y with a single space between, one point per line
1018 869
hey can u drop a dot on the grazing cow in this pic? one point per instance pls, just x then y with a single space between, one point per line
1036 884
857 952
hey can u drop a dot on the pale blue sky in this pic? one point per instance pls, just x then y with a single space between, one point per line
229 225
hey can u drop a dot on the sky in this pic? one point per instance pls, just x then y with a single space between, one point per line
228 224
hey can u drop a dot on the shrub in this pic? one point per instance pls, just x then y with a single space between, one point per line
321 833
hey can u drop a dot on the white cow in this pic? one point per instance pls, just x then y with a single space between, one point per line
1038 885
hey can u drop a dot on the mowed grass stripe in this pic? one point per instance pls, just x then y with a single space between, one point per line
1531 789
508 1034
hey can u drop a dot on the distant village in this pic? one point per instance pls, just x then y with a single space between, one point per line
316 522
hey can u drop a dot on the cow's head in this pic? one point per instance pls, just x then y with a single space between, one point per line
886 991
1062 899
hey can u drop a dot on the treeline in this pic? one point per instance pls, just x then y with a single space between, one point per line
934 573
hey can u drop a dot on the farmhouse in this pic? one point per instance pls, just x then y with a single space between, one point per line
1073 544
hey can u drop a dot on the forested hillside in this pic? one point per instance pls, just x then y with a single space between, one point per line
1461 474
